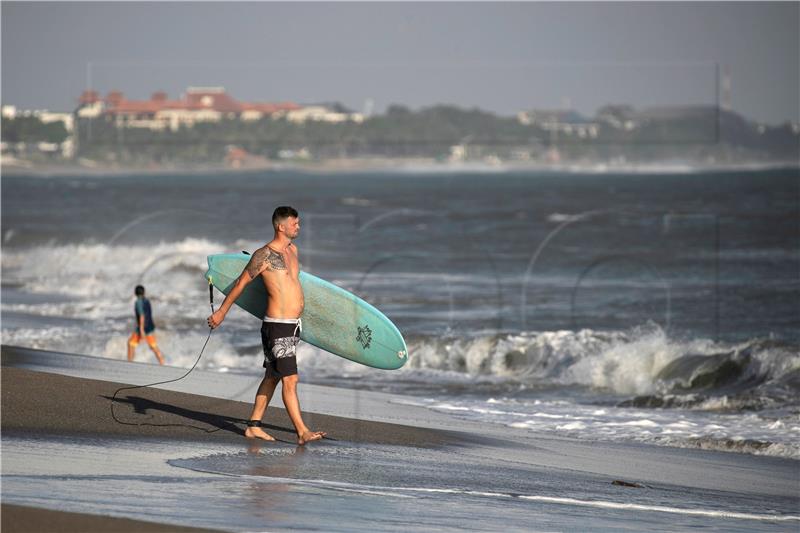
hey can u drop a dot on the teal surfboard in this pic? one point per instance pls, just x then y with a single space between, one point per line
334 319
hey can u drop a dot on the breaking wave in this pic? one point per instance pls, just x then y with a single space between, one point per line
642 367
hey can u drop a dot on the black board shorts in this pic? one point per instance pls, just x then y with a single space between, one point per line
280 348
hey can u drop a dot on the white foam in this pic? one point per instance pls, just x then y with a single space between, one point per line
750 433
630 367
663 509
98 279
601 504
572 425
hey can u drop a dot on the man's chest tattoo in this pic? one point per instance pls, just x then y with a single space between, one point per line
276 261
267 259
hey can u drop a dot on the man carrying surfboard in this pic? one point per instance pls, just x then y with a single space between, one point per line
278 266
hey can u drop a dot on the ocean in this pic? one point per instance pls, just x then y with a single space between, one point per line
652 307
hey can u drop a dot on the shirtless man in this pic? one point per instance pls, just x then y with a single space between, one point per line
278 266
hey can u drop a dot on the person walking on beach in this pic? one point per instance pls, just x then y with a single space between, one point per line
278 266
144 326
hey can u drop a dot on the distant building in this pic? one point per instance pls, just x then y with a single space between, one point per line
10 112
90 105
257 111
458 153
621 117
197 105
567 122
318 113
67 147
67 118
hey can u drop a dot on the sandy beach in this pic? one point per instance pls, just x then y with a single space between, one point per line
17 518
54 406
30 399
180 459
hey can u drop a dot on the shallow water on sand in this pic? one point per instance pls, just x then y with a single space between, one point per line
337 486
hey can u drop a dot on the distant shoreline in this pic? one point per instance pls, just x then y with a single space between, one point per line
393 165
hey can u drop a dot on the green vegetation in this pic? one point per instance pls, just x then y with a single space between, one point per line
32 130
399 133
700 133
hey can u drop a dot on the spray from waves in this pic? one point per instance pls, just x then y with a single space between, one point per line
729 397
102 272
79 298
641 367
95 283
180 348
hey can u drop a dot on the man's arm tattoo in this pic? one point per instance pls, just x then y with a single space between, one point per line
256 264
263 259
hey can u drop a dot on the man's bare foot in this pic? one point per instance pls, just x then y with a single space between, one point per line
257 433
309 435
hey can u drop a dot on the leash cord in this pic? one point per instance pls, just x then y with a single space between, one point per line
132 387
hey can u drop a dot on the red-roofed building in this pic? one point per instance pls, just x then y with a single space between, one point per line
89 97
257 111
198 104
90 105
211 98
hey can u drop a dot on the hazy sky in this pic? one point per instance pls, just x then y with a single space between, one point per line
502 57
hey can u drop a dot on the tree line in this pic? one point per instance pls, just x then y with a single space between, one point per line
429 132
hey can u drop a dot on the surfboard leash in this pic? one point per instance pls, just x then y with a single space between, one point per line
132 387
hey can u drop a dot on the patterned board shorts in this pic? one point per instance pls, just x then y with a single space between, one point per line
279 340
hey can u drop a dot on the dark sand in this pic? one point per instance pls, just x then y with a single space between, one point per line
42 403
37 403
19 519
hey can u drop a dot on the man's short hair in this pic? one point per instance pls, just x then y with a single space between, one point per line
139 290
282 213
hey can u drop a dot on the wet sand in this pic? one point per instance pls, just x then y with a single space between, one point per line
55 406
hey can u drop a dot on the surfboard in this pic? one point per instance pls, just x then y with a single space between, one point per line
334 319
